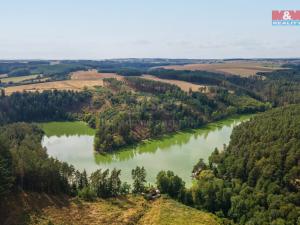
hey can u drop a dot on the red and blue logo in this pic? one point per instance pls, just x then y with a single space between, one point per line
286 17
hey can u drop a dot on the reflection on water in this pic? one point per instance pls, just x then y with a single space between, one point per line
178 152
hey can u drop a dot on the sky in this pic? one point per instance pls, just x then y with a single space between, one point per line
98 29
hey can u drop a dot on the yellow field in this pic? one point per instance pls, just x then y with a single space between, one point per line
17 79
183 85
235 68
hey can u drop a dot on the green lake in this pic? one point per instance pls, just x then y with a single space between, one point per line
72 142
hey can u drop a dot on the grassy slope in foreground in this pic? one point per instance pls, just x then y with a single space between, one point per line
32 208
167 211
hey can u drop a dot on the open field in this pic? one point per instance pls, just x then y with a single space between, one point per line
17 79
93 75
185 86
46 209
236 68
75 85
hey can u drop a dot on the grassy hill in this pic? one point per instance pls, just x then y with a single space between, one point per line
33 208
166 211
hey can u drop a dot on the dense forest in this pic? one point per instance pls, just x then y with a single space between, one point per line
45 106
25 163
155 108
255 180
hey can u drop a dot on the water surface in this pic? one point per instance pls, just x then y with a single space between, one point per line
178 152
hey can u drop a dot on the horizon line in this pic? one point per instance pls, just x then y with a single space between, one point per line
153 58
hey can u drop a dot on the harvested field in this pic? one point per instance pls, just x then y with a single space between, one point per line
93 75
183 85
74 85
244 69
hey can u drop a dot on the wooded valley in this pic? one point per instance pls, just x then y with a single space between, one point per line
253 180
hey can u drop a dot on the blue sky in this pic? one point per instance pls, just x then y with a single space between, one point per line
98 29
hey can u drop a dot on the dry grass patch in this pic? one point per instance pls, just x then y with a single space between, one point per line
183 85
39 209
165 211
111 212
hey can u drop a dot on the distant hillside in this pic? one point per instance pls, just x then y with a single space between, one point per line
33 208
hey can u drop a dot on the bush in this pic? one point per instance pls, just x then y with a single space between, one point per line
170 184
87 194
